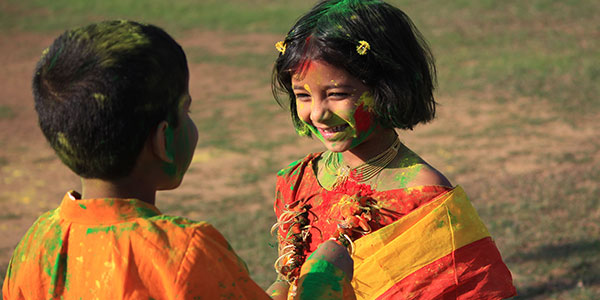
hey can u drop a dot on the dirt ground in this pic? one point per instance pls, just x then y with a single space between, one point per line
474 142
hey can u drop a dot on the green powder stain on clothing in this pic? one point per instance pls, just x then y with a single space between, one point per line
145 212
288 168
82 206
99 229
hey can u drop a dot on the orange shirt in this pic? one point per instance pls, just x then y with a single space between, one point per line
124 249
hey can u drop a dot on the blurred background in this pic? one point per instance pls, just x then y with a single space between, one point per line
517 125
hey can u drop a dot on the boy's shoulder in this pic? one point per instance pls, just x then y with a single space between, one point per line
182 227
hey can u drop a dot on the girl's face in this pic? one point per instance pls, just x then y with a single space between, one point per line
334 105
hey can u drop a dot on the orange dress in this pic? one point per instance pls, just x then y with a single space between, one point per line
124 249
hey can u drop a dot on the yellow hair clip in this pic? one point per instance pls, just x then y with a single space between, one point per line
362 47
280 46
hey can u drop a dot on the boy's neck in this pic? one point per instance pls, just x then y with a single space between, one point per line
93 188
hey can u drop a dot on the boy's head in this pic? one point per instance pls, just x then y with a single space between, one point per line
373 41
101 90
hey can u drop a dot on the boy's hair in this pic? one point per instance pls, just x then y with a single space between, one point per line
101 89
398 67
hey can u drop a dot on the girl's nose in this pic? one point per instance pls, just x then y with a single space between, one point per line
319 110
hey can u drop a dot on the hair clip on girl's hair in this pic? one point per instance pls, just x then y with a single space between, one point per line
280 46
362 47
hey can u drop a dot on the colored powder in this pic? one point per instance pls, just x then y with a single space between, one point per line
45 52
322 277
99 229
100 98
54 58
64 142
368 101
82 206
406 177
362 119
169 167
307 88
110 39
288 168
145 212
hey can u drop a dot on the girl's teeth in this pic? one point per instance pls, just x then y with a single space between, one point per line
335 129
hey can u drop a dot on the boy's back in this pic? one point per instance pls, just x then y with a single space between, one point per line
124 249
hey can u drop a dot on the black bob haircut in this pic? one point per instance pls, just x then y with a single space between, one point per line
100 90
398 68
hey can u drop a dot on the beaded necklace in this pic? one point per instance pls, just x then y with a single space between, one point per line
365 171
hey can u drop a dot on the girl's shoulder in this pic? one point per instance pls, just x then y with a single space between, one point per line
298 165
410 170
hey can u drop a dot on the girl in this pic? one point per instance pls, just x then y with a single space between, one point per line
355 72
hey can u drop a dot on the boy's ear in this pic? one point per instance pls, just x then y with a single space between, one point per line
162 142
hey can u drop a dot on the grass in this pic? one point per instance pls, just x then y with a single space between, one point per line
238 16
547 227
6 112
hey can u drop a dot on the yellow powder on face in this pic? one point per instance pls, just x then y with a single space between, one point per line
307 88
367 99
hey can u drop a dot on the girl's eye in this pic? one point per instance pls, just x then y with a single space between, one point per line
303 97
338 95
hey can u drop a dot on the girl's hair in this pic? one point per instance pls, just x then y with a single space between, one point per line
398 66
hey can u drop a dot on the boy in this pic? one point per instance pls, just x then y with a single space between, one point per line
112 100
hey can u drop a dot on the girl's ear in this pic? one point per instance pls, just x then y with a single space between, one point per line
162 142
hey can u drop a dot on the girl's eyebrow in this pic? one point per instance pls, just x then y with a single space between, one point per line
328 87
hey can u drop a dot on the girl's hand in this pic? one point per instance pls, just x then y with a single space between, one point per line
337 255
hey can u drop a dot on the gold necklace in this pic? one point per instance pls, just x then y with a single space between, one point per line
366 170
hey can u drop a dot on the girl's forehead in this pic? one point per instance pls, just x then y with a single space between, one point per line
319 70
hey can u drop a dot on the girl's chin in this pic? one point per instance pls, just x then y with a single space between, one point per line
338 146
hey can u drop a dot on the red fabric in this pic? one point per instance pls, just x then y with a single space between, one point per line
299 183
480 274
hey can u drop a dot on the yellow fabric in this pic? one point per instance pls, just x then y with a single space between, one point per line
425 235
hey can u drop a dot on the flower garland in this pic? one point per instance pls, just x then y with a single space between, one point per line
360 214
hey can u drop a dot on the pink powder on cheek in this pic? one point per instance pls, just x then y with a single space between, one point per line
363 119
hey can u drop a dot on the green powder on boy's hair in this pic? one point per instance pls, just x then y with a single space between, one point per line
100 98
64 149
109 39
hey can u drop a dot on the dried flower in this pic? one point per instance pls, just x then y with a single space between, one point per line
362 47
280 46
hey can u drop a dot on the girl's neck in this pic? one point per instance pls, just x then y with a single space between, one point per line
377 143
